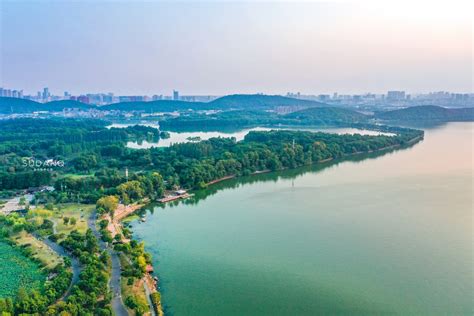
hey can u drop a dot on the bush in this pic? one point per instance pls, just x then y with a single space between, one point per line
130 302
156 300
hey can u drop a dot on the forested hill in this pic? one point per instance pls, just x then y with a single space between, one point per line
157 106
428 113
314 116
260 102
327 116
230 102
15 105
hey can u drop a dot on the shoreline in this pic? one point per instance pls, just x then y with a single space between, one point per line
147 278
258 172
150 285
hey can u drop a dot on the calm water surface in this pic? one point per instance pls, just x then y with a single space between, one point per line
385 235
183 137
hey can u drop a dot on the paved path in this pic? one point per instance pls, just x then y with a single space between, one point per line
75 265
150 303
13 204
114 284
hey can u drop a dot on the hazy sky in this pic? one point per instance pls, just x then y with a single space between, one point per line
138 47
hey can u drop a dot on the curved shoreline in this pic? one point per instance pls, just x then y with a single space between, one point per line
258 172
116 226
229 177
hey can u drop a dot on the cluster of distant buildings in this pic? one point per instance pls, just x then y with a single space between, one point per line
391 98
102 98
11 93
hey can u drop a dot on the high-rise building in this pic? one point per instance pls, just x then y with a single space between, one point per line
83 99
395 95
46 94
175 95
324 97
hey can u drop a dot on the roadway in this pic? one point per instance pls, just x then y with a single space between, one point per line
114 283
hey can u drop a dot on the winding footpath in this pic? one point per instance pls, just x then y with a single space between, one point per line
75 265
114 284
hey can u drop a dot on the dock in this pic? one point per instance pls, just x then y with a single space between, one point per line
175 197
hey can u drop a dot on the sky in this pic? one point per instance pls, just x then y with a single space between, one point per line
223 47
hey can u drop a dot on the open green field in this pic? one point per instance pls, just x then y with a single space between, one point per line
77 176
80 212
17 271
39 250
136 289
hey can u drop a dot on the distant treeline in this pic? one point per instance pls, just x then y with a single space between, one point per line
428 113
317 116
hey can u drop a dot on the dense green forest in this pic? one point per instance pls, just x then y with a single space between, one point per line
32 151
95 158
316 116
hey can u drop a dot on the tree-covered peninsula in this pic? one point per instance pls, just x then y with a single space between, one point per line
95 158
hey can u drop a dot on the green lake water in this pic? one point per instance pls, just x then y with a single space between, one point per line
378 234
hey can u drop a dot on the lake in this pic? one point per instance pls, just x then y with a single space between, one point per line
183 137
379 234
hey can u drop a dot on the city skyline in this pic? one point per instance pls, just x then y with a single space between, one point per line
391 97
225 48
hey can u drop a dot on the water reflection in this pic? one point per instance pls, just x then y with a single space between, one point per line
290 174
182 137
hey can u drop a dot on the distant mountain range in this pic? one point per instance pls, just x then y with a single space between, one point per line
260 102
427 113
15 105
236 102
306 110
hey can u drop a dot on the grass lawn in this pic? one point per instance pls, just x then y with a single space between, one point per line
39 249
80 212
77 176
136 289
130 218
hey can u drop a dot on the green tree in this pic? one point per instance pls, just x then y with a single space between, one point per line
107 204
131 191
